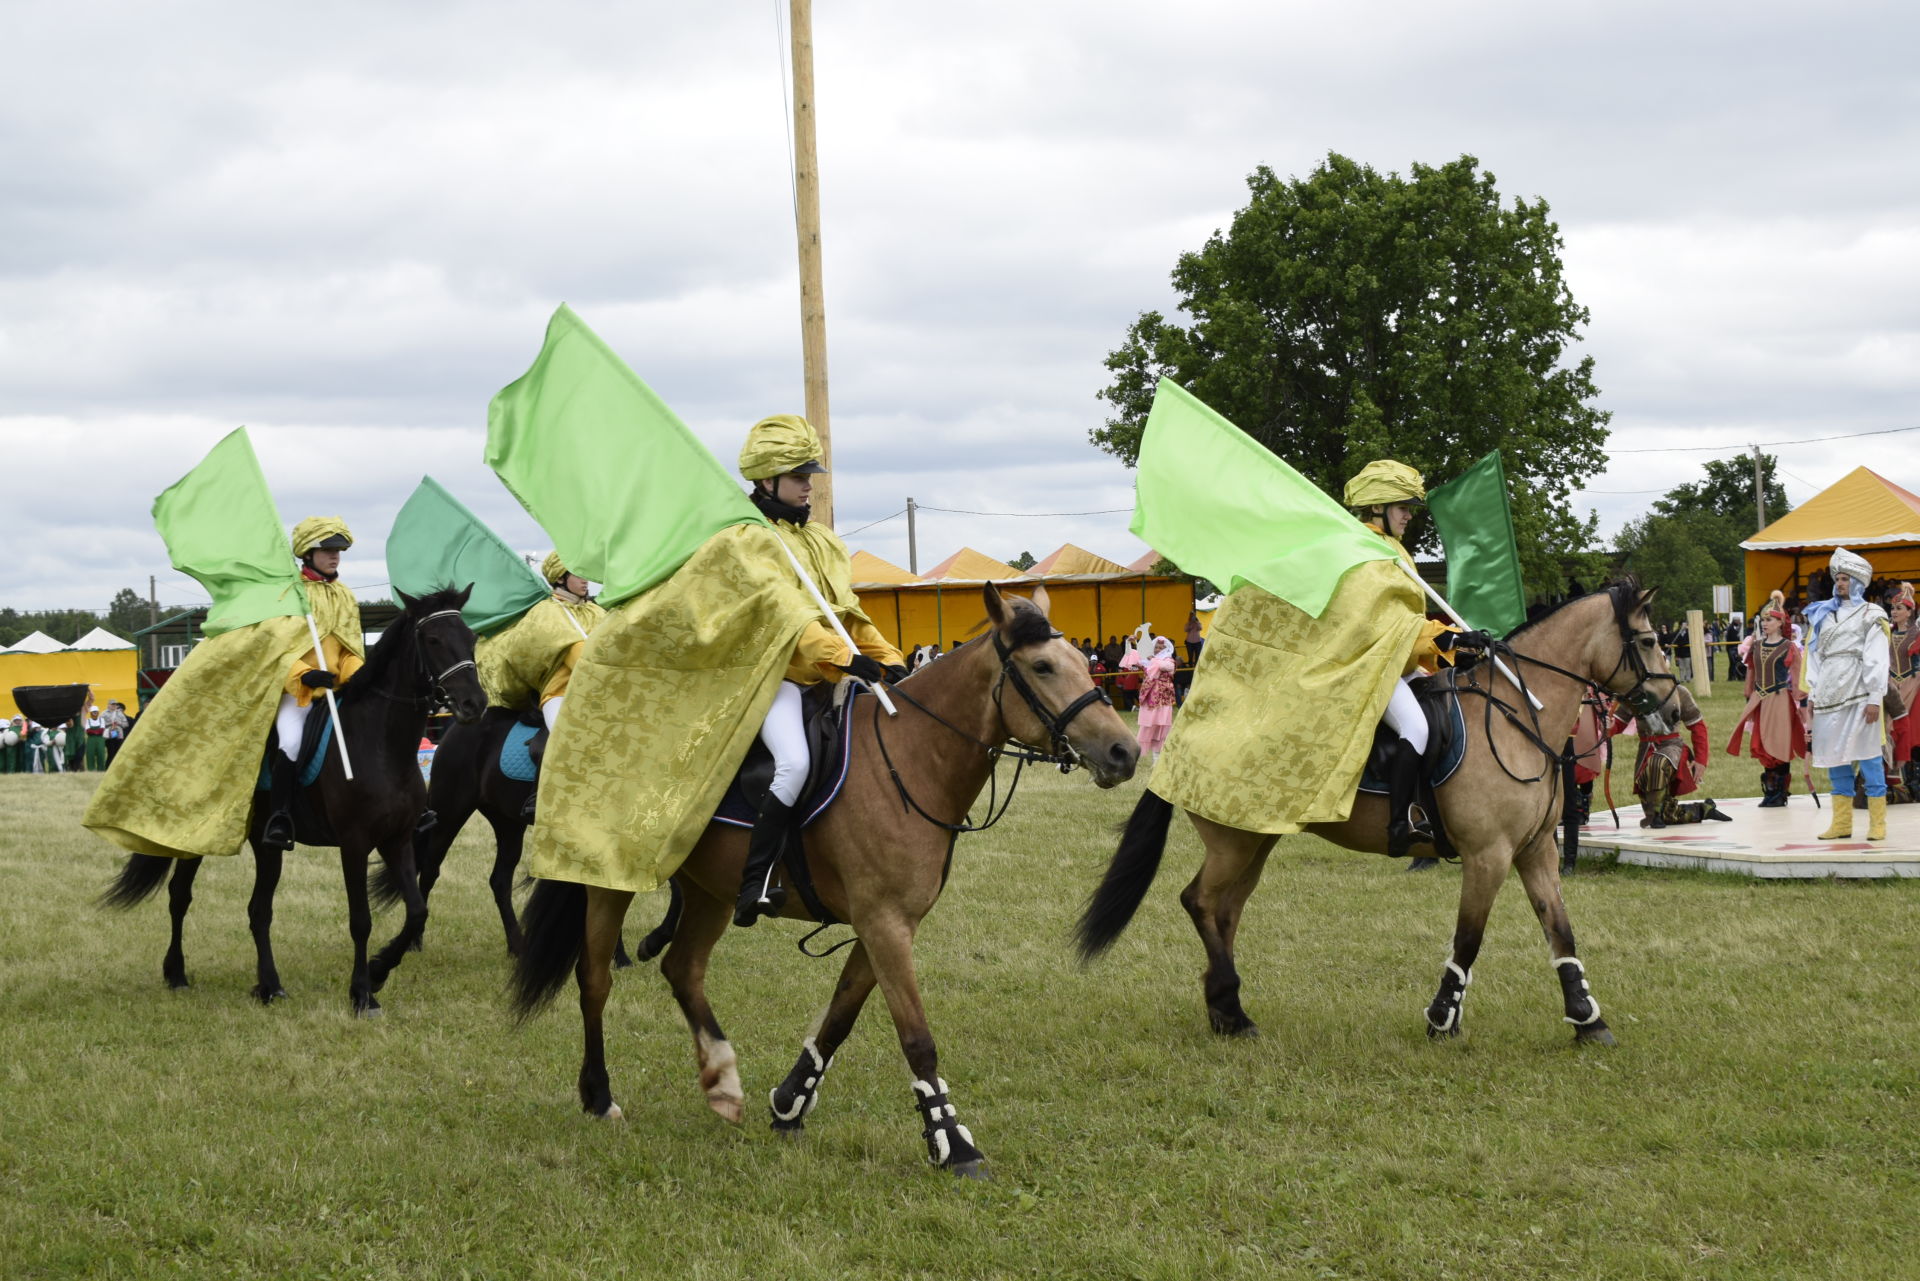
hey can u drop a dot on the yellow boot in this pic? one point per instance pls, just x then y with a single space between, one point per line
1876 818
1842 828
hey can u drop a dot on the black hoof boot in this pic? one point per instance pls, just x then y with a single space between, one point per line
1443 1013
793 1098
949 1143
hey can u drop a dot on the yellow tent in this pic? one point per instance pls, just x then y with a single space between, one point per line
968 565
868 568
1068 559
1084 606
99 659
1862 511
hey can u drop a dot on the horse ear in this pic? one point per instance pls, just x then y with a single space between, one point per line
1646 598
1045 602
466 593
405 599
996 607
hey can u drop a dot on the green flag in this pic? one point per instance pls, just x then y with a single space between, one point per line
1218 504
221 528
436 542
626 492
1483 560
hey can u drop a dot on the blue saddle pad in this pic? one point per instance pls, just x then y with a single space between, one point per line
1438 771
310 764
515 761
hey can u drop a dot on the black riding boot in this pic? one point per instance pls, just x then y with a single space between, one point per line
1404 828
278 832
536 748
764 848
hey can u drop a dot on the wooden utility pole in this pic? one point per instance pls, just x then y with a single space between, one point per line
813 312
1759 493
913 543
153 620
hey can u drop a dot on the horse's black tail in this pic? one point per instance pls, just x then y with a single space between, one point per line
656 942
143 874
383 887
1128 877
554 924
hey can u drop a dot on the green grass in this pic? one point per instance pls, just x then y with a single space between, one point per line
1758 1118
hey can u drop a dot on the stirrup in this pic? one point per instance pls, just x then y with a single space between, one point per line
772 903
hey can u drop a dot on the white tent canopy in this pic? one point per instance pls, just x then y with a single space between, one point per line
101 638
37 643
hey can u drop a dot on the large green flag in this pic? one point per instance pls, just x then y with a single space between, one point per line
1219 504
221 527
436 542
1483 560
625 491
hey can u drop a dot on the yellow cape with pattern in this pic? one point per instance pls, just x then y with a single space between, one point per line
182 784
1278 724
668 696
517 662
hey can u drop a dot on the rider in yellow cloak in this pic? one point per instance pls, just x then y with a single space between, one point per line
182 786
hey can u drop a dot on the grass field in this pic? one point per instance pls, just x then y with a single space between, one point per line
1758 1118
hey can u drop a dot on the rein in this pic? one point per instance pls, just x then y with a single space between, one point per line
436 694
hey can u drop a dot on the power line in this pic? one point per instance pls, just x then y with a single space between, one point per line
1764 444
870 524
956 511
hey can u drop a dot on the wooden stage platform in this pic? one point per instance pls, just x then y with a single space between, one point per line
1776 842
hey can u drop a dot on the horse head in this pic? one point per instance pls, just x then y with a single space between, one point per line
1057 707
444 643
1634 661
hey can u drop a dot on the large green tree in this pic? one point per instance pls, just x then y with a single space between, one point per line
1352 315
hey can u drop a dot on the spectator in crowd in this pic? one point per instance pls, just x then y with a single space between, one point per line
117 725
1155 675
96 731
1195 638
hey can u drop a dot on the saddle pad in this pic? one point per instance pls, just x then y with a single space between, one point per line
736 810
311 759
1438 771
515 761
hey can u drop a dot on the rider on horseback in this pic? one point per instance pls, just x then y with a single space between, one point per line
1384 493
530 663
781 457
318 542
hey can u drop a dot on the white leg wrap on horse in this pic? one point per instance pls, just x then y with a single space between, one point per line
291 723
784 732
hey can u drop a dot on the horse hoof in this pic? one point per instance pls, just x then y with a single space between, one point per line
613 1113
179 982
371 1010
1443 1034
1235 1025
1599 1034
791 1131
728 1110
268 996
975 1170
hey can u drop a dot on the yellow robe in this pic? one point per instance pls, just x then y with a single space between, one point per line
820 653
1426 655
336 616
1277 726
533 659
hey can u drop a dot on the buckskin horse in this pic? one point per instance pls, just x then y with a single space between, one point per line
1498 817
879 858
426 654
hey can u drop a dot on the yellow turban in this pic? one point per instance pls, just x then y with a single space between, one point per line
778 445
553 569
1382 483
315 530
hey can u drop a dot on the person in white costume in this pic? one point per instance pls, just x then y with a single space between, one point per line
1848 664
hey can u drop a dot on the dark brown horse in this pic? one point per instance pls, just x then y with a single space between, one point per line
879 858
1500 809
427 653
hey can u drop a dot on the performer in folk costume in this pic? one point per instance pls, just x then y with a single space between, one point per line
184 786
528 665
1384 494
1592 749
781 457
1903 735
1773 704
1667 768
1849 663
1156 694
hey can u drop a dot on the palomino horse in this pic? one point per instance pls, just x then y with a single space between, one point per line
879 858
1500 810
427 653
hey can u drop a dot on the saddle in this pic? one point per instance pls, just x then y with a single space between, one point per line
310 826
1446 748
826 712
516 762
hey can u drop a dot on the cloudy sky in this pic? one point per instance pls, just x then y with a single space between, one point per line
345 226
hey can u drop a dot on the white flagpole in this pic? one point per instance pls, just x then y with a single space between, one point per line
1447 609
339 735
833 620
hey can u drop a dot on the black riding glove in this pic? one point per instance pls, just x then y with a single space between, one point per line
1467 642
896 672
317 679
866 669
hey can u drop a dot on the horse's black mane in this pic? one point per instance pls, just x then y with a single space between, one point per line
1625 591
1029 625
396 644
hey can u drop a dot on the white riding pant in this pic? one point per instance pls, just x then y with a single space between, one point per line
785 734
291 721
1405 717
550 710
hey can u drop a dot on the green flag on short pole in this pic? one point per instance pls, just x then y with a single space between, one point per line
625 491
1483 559
222 529
436 543
1219 504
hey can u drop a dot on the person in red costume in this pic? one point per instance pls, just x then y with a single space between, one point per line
1903 733
1773 711
1667 768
